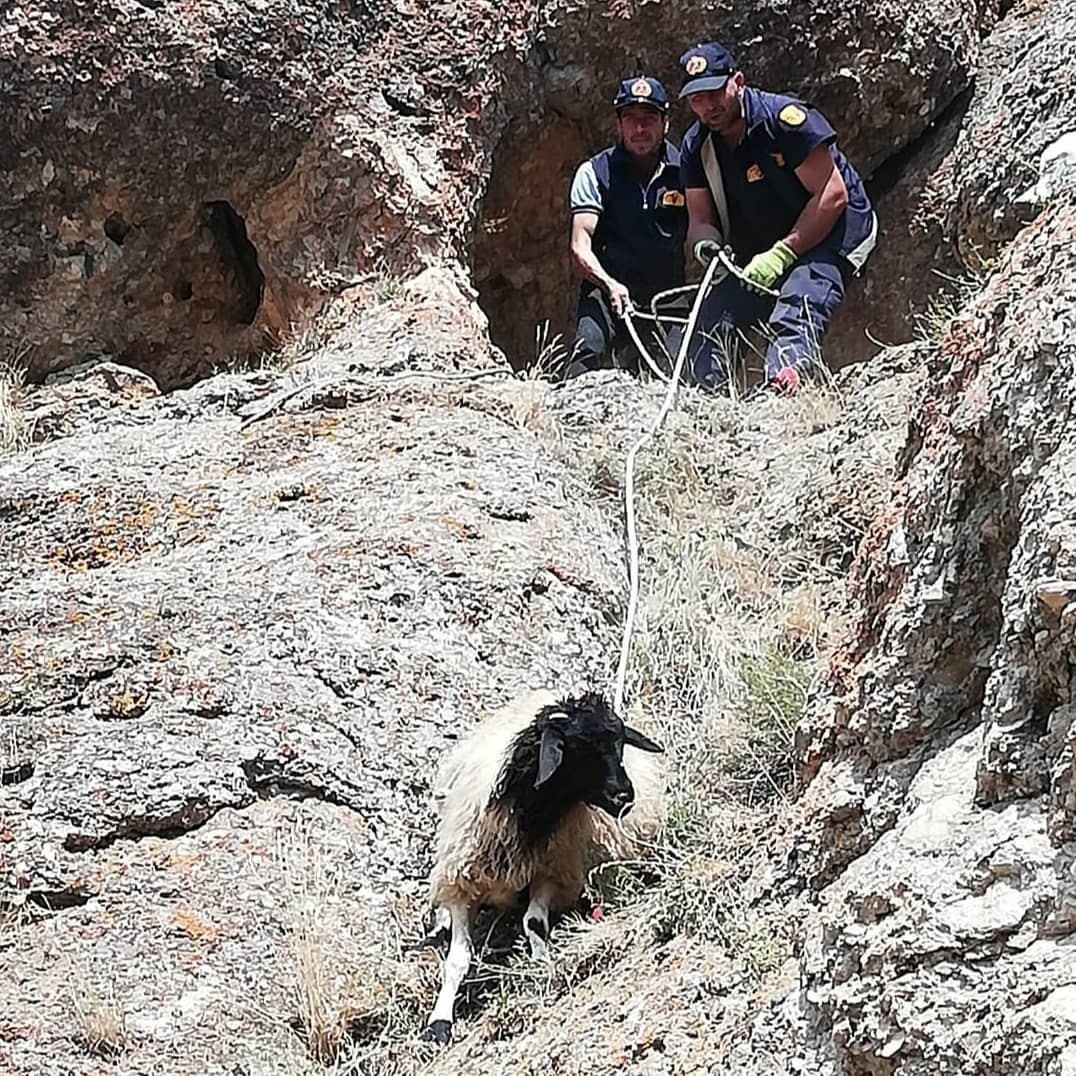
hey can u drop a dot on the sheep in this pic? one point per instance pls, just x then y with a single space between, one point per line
533 793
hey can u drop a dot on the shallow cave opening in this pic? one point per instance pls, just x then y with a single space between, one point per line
243 277
201 306
521 263
520 253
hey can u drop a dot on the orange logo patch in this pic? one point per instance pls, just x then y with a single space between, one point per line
754 174
672 198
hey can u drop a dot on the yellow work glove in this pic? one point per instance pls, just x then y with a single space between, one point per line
764 269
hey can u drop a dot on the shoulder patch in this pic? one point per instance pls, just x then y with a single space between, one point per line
672 198
792 116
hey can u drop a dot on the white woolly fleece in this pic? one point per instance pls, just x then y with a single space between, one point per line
480 857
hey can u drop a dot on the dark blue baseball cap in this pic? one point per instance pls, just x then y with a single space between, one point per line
705 67
641 91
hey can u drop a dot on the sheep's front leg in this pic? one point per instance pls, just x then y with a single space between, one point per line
536 918
440 930
439 1025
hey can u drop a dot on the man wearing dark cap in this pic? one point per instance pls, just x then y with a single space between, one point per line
762 173
629 223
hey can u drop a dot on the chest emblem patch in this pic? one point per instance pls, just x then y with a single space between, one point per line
792 116
779 158
672 198
754 174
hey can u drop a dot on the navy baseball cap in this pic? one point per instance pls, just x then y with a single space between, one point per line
641 91
705 67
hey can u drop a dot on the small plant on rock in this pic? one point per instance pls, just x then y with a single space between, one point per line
16 429
101 1022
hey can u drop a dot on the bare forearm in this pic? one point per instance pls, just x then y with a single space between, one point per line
699 229
586 264
816 220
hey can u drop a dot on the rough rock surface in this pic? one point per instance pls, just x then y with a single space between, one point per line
198 617
189 181
941 756
1022 103
947 208
215 637
239 622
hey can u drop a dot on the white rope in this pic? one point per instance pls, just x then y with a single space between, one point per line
726 265
629 475
629 315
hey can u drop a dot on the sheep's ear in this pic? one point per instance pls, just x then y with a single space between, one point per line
550 754
637 739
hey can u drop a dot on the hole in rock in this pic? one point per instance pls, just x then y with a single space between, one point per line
116 228
225 69
201 303
243 280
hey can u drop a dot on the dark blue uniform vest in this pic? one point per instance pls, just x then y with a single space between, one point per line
639 238
764 194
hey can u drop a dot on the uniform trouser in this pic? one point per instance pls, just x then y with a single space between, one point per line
602 339
796 321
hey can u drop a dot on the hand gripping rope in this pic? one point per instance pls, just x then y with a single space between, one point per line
724 262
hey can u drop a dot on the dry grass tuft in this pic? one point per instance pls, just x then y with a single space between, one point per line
551 353
16 429
817 406
358 1001
101 1022
723 654
302 345
953 296
12 916
527 394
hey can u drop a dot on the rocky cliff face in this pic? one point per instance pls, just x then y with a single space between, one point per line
240 621
948 208
941 757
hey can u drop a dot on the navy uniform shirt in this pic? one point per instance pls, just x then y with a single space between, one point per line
642 225
764 194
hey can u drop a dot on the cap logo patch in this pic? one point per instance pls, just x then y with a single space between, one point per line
792 116
641 88
695 64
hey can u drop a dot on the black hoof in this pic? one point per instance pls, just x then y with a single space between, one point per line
539 927
440 1032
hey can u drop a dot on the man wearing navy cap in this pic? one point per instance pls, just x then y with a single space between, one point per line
629 224
762 173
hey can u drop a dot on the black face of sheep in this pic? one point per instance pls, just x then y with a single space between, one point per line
572 753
